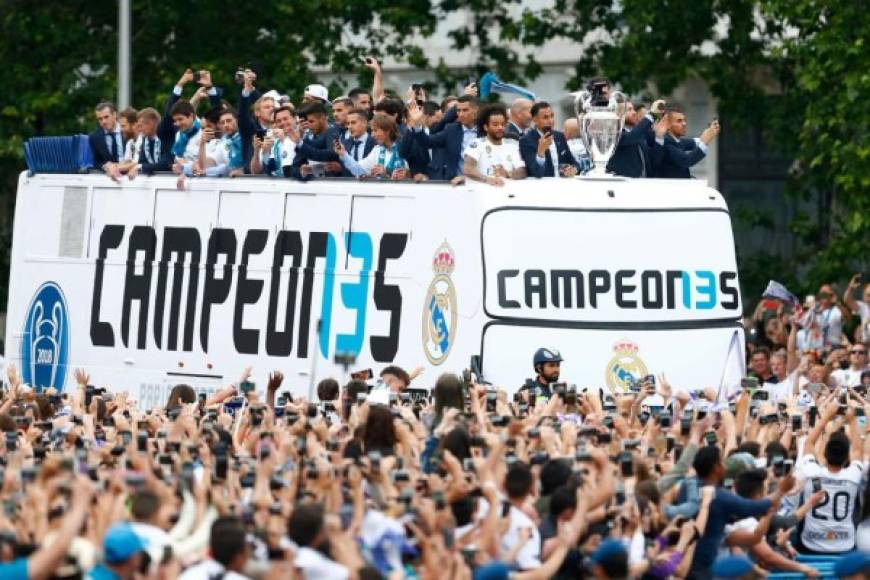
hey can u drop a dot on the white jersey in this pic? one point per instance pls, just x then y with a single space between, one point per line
830 526
488 155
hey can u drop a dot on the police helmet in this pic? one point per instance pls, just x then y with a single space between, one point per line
545 355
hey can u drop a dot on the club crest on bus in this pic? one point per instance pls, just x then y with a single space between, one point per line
45 340
439 311
624 368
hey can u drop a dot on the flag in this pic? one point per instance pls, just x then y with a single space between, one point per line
776 290
490 83
733 372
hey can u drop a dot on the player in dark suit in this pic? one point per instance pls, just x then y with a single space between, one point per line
537 145
638 152
453 133
682 153
107 142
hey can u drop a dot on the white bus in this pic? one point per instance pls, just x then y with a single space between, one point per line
146 286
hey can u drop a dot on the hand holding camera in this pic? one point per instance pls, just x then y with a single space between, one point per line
710 132
185 78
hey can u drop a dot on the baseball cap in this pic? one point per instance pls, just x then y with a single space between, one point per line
492 571
273 94
121 543
610 555
852 564
731 567
737 464
317 91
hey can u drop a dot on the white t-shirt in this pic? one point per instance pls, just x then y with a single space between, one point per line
848 377
830 526
209 569
191 150
315 565
488 155
822 327
529 556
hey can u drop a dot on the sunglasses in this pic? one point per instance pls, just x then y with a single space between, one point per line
858 351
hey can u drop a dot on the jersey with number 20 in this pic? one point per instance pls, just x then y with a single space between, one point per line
830 526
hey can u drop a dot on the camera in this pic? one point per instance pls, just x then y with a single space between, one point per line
599 88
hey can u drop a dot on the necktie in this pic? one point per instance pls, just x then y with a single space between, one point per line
549 170
354 150
114 150
151 158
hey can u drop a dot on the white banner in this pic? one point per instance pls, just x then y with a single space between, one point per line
592 266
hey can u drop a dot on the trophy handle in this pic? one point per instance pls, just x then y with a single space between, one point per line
581 98
619 105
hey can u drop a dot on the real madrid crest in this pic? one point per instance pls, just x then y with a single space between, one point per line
624 368
439 308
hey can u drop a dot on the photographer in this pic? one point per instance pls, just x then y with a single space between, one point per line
680 152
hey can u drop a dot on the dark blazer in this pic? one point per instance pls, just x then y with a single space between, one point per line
678 157
445 135
317 148
512 131
164 161
248 125
637 149
529 153
100 151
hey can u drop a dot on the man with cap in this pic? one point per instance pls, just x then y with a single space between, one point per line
122 554
609 561
314 93
547 362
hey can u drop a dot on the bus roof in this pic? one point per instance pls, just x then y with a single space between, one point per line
582 193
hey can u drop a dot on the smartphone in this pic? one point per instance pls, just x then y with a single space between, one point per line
685 426
817 484
247 387
710 437
796 422
626 465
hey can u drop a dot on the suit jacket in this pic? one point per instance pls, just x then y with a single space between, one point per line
367 148
317 148
679 156
100 151
248 125
637 150
512 131
163 163
446 136
529 153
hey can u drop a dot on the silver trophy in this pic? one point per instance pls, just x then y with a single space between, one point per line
600 127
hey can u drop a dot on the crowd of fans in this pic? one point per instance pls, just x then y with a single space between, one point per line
377 134
403 476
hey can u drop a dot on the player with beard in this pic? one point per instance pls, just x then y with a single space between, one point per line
547 363
491 159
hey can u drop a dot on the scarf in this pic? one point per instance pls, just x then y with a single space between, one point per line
233 144
183 137
396 162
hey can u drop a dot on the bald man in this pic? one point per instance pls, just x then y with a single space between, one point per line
521 119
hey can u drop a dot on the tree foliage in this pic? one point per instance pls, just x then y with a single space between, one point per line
799 67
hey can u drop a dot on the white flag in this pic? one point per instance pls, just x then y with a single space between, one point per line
733 372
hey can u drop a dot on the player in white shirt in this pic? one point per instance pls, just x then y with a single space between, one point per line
492 159
829 528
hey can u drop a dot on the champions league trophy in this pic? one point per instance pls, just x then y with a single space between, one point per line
600 126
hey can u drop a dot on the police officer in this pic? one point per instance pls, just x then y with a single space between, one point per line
547 362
